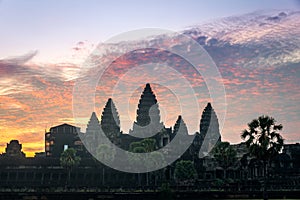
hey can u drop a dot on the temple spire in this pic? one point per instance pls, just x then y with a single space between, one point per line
180 126
209 128
147 108
148 114
110 122
92 137
93 123
209 121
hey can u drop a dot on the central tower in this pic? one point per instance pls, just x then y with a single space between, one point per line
147 121
209 129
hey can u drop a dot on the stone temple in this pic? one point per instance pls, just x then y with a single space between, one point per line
45 170
148 125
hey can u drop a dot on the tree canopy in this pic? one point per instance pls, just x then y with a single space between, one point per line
106 153
69 159
225 155
263 138
185 170
147 144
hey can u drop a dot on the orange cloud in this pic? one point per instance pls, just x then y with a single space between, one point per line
44 94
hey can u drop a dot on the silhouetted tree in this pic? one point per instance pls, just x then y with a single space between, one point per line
145 146
185 170
136 156
155 160
133 145
263 141
225 156
149 144
69 160
105 153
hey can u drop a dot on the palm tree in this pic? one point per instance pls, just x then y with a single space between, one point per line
225 156
154 160
105 153
145 146
263 141
69 160
136 156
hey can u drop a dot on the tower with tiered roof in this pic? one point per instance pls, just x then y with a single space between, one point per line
147 121
92 137
110 121
209 128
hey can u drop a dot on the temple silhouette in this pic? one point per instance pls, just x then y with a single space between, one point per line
147 125
45 170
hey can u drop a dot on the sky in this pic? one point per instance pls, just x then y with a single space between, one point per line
54 28
44 42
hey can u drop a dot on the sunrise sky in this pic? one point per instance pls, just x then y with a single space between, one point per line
44 43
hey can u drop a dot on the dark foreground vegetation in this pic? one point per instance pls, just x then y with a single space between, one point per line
93 194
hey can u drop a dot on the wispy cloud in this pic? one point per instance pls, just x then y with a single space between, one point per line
34 97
